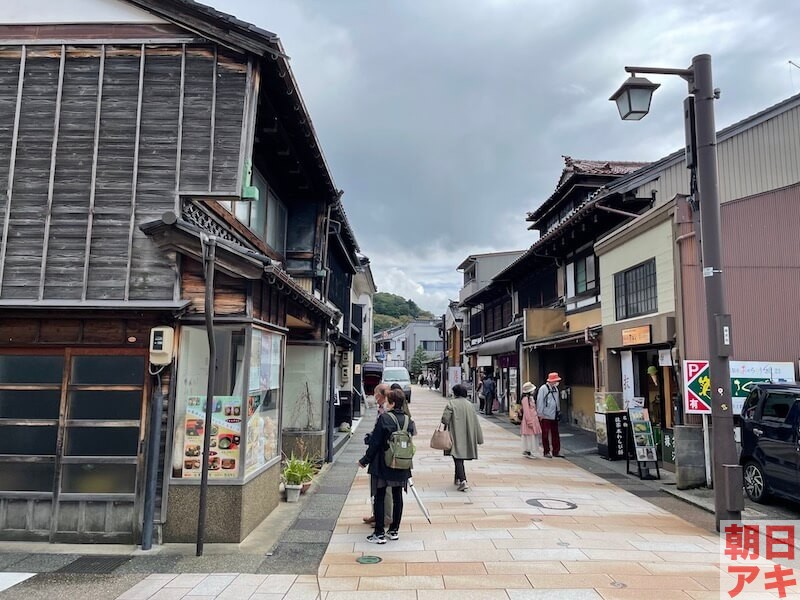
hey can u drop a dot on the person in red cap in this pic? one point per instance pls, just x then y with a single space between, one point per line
548 405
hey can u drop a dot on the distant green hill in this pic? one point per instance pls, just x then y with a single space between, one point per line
392 310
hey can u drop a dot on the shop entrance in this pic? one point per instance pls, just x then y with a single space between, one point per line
71 433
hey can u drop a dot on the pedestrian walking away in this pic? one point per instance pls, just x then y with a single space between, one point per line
395 479
465 430
489 394
548 405
529 427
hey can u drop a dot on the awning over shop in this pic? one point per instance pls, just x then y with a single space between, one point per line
565 338
501 346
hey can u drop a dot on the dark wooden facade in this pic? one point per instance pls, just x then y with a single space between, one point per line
117 158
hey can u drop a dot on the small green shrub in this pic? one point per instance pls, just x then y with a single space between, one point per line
297 471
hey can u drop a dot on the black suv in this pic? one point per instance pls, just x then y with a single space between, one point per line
771 441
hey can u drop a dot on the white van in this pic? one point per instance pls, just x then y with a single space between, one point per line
398 375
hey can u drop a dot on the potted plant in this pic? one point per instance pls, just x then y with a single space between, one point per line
297 472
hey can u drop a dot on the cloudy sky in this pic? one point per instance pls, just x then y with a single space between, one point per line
445 121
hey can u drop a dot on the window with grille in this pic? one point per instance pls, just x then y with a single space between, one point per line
635 291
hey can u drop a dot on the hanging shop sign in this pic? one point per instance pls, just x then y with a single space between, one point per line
696 387
226 431
636 336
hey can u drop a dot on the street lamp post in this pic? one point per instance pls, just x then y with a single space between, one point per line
633 102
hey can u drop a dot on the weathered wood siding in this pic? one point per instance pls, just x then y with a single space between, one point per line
95 140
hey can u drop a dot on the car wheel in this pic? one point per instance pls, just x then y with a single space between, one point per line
755 483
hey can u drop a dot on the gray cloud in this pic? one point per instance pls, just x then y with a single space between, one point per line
444 122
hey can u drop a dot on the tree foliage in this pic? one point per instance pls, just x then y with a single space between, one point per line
396 306
418 361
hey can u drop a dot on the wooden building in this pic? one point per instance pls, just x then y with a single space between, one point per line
130 132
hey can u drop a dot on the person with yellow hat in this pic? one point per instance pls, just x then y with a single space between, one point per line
548 404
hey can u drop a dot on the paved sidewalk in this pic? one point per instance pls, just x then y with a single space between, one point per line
582 538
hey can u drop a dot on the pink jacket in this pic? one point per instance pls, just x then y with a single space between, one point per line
530 418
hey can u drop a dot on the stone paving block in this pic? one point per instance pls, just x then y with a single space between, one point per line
373 595
275 584
143 590
383 569
614 594
473 555
173 593
335 584
462 594
212 585
524 567
549 554
609 567
570 580
661 582
561 594
303 591
412 582
187 580
504 581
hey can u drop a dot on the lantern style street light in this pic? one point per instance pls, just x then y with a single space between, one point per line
633 98
633 102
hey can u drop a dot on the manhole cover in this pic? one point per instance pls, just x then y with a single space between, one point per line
94 564
551 503
368 560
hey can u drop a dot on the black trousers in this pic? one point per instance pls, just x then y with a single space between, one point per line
397 509
461 474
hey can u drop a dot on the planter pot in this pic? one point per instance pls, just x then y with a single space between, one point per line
293 492
304 487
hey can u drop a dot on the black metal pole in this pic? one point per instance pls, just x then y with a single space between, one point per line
718 321
331 405
209 255
153 447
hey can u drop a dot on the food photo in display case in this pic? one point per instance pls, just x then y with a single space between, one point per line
226 432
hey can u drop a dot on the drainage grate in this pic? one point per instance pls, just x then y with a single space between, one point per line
94 564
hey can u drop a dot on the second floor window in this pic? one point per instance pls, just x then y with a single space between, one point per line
266 217
585 274
431 346
635 291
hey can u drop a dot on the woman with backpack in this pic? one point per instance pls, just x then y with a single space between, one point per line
388 460
465 430
529 427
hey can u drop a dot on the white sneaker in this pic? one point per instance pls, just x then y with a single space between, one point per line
463 486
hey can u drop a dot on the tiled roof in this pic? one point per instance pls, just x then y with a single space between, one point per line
600 167
579 166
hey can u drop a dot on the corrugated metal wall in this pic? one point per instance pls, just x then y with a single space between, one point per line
761 258
762 158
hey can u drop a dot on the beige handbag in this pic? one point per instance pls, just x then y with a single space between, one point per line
441 440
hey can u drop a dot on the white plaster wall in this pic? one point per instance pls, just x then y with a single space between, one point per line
41 12
656 242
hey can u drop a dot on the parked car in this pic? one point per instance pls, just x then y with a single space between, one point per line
398 375
771 441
